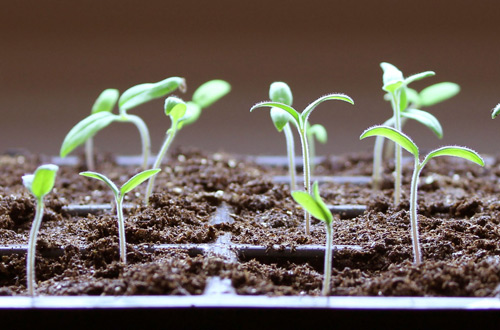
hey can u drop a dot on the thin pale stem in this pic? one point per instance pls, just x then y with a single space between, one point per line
417 259
89 154
312 152
307 178
290 147
163 151
121 229
327 273
145 139
30 260
397 126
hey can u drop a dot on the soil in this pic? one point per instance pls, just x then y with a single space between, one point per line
224 202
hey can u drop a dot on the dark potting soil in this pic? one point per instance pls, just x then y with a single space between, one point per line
224 200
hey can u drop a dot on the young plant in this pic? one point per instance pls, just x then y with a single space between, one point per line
300 120
131 98
396 86
315 205
119 195
411 109
404 141
183 113
315 132
281 92
39 184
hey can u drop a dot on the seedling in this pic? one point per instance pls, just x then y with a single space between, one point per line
315 205
404 141
300 120
183 113
495 111
131 98
411 109
396 85
39 184
315 132
281 92
119 195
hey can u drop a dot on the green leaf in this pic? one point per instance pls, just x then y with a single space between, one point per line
293 113
310 204
106 101
392 78
137 180
307 111
280 118
104 179
403 100
418 76
394 135
319 132
42 181
143 93
438 93
193 112
495 111
412 95
210 92
456 151
85 129
280 92
426 119
175 108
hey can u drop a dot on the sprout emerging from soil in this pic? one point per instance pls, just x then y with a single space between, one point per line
103 116
300 120
412 103
404 141
281 92
183 113
315 205
119 195
396 86
40 184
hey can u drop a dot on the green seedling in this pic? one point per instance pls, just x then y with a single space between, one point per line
396 86
183 113
315 132
119 195
300 120
281 92
39 184
405 142
315 205
495 111
411 109
131 98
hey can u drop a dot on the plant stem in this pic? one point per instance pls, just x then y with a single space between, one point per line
397 125
328 260
144 132
312 152
307 178
30 260
89 154
290 147
377 157
413 212
121 228
164 148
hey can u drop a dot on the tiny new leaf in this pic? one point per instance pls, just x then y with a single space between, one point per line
137 180
42 181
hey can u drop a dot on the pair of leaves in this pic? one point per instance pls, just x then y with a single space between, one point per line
405 142
42 181
127 186
280 92
313 204
393 78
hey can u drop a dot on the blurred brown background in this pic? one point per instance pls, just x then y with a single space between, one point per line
57 56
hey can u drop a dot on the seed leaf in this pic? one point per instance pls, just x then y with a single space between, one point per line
426 119
418 76
106 101
210 92
293 113
85 129
104 179
280 92
280 118
42 181
319 132
313 204
394 135
175 108
307 111
143 93
412 95
193 112
137 180
495 111
392 78
438 93
456 151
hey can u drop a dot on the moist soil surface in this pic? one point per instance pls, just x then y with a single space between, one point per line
209 198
